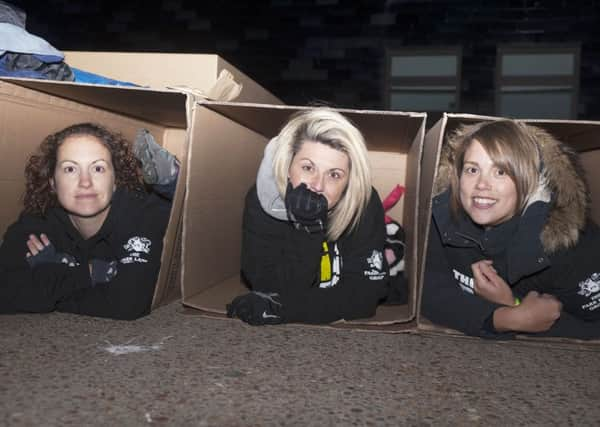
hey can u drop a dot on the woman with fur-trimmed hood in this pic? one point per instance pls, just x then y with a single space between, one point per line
511 247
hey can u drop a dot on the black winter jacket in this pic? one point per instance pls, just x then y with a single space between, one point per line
277 257
572 275
132 234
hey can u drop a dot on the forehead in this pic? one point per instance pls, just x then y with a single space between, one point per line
322 155
82 147
477 153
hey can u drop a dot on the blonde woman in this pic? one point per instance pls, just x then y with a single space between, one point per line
313 230
511 249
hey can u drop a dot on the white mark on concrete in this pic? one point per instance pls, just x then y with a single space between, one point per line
127 348
148 417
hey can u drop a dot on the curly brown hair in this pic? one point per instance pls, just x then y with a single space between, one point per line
39 194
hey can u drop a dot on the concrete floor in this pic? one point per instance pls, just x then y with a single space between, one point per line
178 369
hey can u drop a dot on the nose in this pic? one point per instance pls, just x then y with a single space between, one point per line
85 180
483 182
317 182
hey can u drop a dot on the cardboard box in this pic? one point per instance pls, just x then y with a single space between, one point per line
583 136
223 161
164 70
32 109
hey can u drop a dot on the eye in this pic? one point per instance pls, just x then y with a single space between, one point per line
69 169
307 168
98 168
470 170
336 175
501 172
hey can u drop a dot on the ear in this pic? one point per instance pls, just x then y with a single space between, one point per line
51 181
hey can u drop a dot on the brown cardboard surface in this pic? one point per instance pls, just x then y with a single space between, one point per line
590 160
223 161
161 70
47 107
583 136
221 168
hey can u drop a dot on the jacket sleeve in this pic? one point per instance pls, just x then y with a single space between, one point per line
129 294
444 302
574 277
33 290
363 281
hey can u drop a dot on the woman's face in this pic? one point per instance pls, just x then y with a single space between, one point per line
323 169
487 193
84 178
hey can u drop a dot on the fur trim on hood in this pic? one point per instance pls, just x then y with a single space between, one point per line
562 176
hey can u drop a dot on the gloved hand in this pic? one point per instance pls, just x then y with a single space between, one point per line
49 255
102 271
159 167
307 209
256 308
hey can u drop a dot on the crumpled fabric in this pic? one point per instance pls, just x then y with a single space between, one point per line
22 65
15 38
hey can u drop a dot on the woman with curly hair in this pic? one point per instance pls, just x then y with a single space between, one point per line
89 239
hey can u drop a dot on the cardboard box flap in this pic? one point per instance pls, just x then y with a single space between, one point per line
162 70
383 130
164 107
582 135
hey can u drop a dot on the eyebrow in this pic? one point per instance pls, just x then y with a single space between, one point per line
73 161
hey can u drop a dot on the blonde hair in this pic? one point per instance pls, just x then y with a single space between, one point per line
510 147
328 127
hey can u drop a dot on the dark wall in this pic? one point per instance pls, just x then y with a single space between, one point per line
330 50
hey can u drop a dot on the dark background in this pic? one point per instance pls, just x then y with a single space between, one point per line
330 51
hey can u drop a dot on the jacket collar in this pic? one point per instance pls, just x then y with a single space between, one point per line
519 236
116 205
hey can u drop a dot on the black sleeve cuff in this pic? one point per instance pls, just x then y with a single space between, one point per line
489 331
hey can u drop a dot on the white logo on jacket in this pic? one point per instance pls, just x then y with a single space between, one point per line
590 286
375 262
137 247
138 244
465 282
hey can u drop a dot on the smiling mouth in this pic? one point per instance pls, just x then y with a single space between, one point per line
483 202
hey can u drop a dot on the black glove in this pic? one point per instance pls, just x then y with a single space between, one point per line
306 208
48 255
102 271
256 308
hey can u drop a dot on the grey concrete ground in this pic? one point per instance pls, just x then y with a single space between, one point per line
174 369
